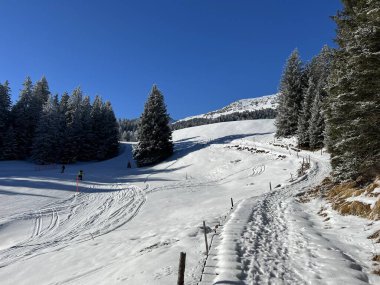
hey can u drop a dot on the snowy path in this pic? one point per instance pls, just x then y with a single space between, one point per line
81 217
261 243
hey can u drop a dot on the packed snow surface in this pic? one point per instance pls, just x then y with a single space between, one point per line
251 104
128 226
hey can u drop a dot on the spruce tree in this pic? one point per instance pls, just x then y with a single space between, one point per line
110 127
85 151
5 115
97 129
305 114
23 120
46 145
9 148
353 109
63 141
317 124
73 127
154 133
290 97
319 69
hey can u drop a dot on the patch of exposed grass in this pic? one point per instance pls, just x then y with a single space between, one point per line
355 208
375 235
318 191
339 193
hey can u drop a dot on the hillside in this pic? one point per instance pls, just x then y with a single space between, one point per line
128 226
243 105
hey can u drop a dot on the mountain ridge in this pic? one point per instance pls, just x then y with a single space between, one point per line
240 106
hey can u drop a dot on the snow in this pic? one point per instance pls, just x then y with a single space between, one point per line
128 226
364 199
251 104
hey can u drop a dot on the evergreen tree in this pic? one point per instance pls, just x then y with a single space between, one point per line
26 114
290 97
96 127
63 141
110 127
9 149
23 120
317 124
41 94
86 152
46 143
5 115
353 109
73 127
154 132
319 69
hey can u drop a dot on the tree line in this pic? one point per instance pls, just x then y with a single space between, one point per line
334 100
128 129
302 93
236 116
47 128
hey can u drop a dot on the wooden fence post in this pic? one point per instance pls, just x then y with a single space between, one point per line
204 227
232 203
181 268
270 186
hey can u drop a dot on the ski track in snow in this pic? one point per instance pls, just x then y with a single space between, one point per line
81 217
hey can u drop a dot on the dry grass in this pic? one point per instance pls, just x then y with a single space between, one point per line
318 191
375 235
377 272
355 208
338 195
376 258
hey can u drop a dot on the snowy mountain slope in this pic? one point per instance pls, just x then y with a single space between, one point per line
51 235
252 104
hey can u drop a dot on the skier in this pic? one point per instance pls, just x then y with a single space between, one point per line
63 168
80 175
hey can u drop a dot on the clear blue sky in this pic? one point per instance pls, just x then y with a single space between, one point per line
202 54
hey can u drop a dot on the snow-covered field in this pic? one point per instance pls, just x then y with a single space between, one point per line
128 226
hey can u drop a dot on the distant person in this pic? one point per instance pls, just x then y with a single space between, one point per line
129 165
63 168
80 175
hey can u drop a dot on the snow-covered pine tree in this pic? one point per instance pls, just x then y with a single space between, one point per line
46 144
23 120
305 113
86 152
353 110
317 124
5 115
26 113
96 127
111 133
319 69
73 127
41 94
290 97
154 134
9 147
63 108
317 120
